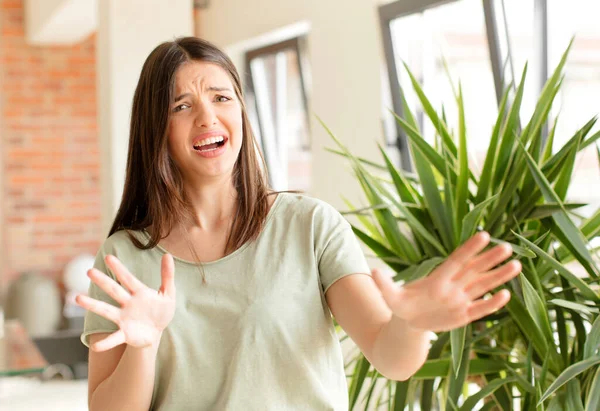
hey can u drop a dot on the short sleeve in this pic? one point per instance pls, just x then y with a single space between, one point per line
93 322
338 251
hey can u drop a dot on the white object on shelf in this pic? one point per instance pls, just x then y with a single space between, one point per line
75 274
26 394
71 308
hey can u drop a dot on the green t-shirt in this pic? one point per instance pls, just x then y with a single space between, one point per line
259 334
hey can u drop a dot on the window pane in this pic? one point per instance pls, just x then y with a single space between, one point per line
578 100
520 24
280 106
456 33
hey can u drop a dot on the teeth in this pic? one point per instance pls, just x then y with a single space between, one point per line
207 141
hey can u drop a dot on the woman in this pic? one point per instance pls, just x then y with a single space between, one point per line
251 329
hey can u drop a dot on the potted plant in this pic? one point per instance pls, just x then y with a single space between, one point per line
541 351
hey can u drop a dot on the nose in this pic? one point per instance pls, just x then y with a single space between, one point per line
206 116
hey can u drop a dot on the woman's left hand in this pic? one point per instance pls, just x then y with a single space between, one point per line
450 297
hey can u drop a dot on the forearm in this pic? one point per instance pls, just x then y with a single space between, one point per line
399 350
131 384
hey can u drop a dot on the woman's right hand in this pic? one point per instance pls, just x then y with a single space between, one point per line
144 312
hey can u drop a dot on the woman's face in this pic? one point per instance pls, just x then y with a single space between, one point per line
205 127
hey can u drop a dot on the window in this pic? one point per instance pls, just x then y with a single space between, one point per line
517 43
276 86
577 101
543 45
486 45
424 38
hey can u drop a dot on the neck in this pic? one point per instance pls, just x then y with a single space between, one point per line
213 202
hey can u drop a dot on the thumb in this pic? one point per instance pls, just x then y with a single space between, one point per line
386 285
167 272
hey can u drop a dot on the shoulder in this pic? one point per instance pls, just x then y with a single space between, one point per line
301 204
309 210
121 246
121 242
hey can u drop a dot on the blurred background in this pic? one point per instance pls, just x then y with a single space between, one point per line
68 69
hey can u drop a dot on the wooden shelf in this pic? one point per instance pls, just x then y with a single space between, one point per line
18 353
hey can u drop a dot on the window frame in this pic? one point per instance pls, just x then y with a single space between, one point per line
401 8
298 45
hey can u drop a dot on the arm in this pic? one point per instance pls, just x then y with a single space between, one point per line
121 378
390 324
122 364
395 350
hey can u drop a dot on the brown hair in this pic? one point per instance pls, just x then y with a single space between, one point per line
153 195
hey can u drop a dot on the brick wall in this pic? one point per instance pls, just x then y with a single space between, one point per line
50 190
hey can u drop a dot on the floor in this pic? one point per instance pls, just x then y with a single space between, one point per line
26 394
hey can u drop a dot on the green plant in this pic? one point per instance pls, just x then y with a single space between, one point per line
541 351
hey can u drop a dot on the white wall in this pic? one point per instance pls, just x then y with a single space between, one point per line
345 56
128 30
59 22
2 185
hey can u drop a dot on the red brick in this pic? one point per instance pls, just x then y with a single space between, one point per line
85 219
86 166
13 112
51 141
80 60
83 113
83 88
12 59
12 32
15 220
67 231
41 218
12 167
18 154
32 205
26 180
51 192
46 166
47 120
12 4
53 245
67 180
87 245
15 193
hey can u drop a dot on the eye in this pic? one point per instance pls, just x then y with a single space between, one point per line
222 99
181 107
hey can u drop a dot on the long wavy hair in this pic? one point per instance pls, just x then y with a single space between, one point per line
153 197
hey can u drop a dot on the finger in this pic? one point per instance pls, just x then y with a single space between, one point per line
110 312
386 285
463 254
488 281
116 338
123 275
485 261
481 308
110 286
167 272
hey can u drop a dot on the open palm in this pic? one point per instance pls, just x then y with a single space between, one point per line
144 312
450 297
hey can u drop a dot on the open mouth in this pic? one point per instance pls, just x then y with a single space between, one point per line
210 144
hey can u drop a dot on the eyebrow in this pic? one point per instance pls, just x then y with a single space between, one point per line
213 88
